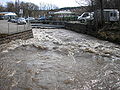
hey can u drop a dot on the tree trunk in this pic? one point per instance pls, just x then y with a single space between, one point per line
119 11
101 9
102 14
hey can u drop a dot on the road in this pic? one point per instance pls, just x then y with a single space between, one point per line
59 59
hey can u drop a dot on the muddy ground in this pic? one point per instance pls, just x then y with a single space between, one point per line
58 59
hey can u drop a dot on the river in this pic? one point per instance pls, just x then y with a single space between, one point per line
59 59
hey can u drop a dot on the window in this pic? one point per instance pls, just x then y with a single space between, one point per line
85 15
113 14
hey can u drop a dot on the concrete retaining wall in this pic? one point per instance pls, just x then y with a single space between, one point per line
21 35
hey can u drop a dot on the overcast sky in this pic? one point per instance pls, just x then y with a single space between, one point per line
59 3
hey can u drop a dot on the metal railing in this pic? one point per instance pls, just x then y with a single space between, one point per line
11 28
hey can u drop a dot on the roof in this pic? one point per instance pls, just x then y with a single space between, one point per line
8 13
64 12
110 10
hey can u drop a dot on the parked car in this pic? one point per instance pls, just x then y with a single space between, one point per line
42 18
21 21
30 19
13 20
1 17
10 20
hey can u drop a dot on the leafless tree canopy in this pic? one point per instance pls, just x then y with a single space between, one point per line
83 2
29 9
46 6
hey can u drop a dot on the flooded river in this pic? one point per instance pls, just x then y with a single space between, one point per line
58 59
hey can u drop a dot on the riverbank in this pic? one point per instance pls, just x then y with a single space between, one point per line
110 32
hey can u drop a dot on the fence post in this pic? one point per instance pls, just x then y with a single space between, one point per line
17 27
8 27
24 27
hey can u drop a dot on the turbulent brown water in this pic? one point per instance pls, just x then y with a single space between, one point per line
58 59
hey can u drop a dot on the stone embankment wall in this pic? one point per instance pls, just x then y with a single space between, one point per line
49 22
4 38
81 28
112 35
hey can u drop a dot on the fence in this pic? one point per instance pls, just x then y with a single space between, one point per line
11 28
11 31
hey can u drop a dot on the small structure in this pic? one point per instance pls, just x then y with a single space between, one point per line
110 15
63 15
7 15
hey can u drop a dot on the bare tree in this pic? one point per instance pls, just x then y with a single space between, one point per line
2 8
89 3
29 9
46 6
83 2
10 7
101 11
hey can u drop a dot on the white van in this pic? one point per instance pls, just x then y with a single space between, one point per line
86 16
110 15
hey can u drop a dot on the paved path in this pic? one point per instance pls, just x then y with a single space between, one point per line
8 27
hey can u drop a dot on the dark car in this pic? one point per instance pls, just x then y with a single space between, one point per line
42 18
14 20
1 17
30 19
